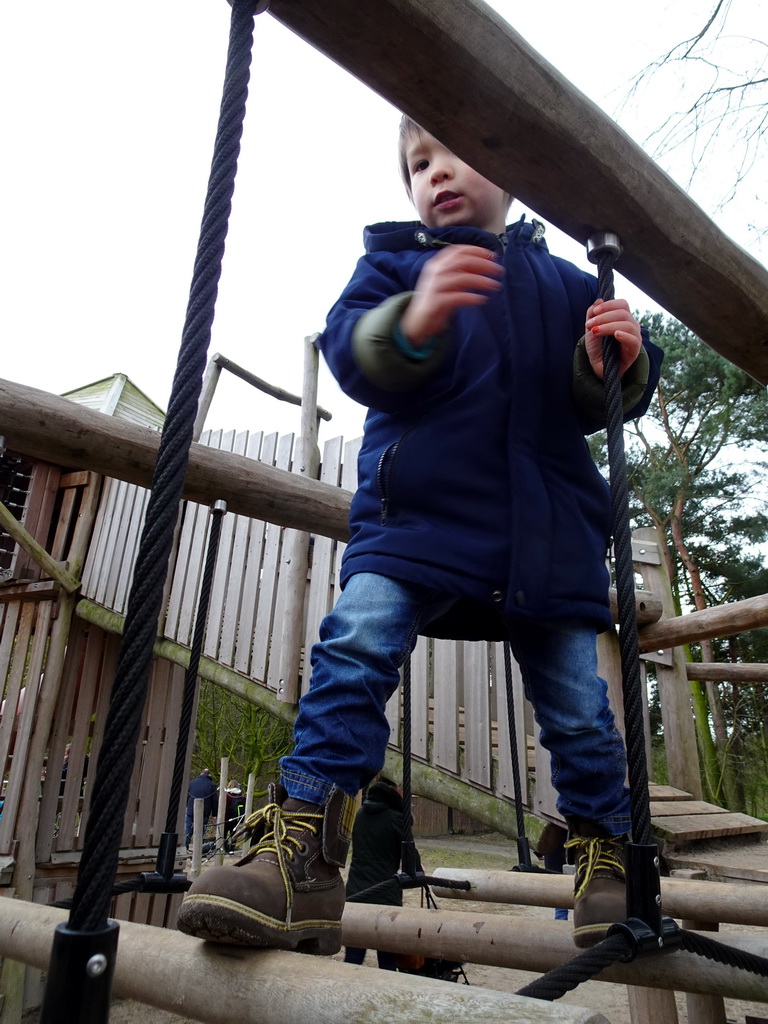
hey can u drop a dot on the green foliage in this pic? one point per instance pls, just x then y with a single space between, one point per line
228 726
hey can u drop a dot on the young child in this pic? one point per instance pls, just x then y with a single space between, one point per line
479 515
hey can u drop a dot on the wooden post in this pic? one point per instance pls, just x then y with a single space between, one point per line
221 810
674 688
655 1005
701 1009
198 828
295 554
220 984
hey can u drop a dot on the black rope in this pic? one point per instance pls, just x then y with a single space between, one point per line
404 881
722 954
625 579
411 863
586 965
101 847
190 679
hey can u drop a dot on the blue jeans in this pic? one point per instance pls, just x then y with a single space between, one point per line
341 731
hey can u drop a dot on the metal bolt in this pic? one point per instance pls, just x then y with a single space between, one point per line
96 965
661 942
642 551
658 901
661 651
655 862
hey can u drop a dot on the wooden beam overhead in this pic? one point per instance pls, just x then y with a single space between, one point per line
463 73
44 426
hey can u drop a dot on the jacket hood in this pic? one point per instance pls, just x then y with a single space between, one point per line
381 797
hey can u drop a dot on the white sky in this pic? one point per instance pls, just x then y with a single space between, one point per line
107 117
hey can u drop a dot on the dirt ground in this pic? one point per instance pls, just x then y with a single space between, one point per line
489 851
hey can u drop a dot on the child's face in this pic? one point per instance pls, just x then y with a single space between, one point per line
447 192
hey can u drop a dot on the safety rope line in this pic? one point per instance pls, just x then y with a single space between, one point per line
625 578
100 858
218 510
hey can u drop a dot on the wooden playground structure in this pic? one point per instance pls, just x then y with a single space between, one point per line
82 479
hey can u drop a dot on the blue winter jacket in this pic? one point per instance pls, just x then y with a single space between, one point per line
474 476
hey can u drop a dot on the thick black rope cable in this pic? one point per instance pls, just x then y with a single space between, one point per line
101 848
410 858
586 965
190 678
516 783
722 954
625 578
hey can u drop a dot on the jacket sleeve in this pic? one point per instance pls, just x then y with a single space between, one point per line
362 344
637 385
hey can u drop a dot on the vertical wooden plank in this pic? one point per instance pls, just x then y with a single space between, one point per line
674 688
652 1004
262 448
319 602
140 500
96 561
7 642
41 617
448 668
227 577
477 716
186 572
281 599
49 805
421 688
262 633
154 714
254 640
505 753
77 709
69 501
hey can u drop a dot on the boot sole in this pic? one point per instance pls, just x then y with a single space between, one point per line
216 919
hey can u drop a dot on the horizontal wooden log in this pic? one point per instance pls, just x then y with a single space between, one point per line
722 620
44 426
221 984
517 120
716 902
726 671
648 607
539 945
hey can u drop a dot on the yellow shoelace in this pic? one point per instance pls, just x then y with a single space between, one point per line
594 855
278 838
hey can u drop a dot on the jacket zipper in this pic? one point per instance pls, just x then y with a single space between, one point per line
384 469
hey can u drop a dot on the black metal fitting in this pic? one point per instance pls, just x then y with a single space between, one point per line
164 878
80 973
603 242
644 939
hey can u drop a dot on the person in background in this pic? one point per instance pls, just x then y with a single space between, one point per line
234 812
377 838
200 788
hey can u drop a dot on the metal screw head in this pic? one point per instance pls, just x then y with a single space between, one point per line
96 965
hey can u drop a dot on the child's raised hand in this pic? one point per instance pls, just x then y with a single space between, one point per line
458 275
612 317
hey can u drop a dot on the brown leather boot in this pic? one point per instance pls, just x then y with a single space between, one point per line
287 892
600 891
